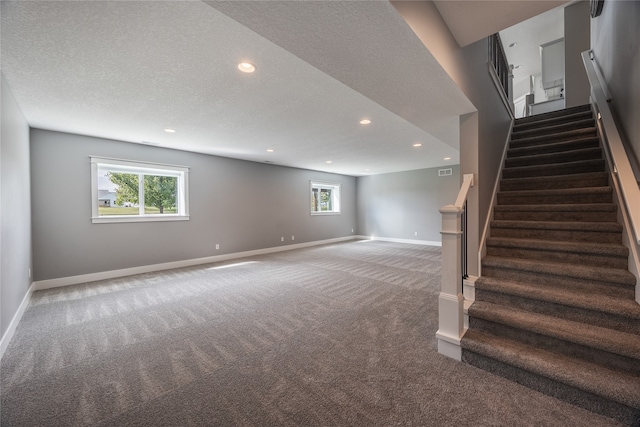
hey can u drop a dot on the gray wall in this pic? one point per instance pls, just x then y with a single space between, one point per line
15 208
238 204
615 40
398 205
576 40
482 135
493 122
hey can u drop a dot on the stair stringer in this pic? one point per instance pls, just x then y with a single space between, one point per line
600 96
486 231
628 238
469 282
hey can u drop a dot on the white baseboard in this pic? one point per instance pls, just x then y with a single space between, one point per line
92 277
392 239
6 338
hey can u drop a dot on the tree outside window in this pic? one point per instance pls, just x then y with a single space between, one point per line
325 198
125 190
160 192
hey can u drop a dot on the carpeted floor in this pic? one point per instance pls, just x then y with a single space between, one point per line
335 335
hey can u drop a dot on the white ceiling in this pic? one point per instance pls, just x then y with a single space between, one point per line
529 36
127 70
471 20
529 23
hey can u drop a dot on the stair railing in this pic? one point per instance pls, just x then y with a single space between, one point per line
498 59
451 301
500 72
625 181
615 146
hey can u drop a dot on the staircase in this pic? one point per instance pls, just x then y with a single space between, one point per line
555 308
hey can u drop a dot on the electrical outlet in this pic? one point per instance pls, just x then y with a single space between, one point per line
415 234
293 237
352 230
29 273
217 246
282 239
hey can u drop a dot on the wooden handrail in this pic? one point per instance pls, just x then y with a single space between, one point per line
621 166
467 183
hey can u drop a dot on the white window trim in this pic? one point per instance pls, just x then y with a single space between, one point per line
336 201
181 172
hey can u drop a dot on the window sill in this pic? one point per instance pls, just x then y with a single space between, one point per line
325 213
150 218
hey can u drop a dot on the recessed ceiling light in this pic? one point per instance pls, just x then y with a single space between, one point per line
417 144
514 44
365 121
517 66
168 130
447 158
328 161
269 150
246 67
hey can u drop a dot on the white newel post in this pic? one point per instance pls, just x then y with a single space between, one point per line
451 301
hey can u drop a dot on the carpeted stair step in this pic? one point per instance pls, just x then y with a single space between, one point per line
611 348
570 125
552 158
612 393
553 138
593 179
555 305
550 333
606 280
553 169
603 255
576 144
553 115
588 232
618 311
521 125
593 212
556 196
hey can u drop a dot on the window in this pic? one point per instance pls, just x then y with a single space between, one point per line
127 191
325 198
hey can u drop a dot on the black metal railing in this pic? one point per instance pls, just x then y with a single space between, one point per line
463 229
499 61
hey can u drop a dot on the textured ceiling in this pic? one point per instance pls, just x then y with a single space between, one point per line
472 20
127 70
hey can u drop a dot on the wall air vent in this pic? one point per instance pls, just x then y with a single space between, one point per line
445 172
